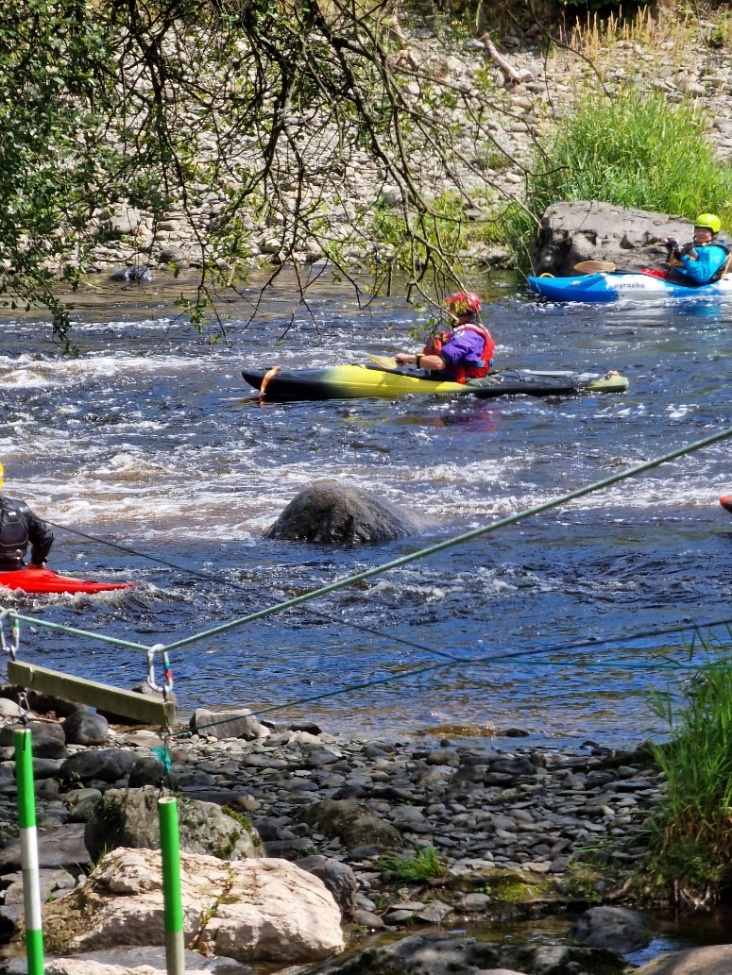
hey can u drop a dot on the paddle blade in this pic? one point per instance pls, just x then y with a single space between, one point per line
383 361
592 267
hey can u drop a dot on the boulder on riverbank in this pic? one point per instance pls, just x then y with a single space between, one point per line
250 910
586 230
129 818
329 512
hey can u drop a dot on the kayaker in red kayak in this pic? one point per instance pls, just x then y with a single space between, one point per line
19 528
464 353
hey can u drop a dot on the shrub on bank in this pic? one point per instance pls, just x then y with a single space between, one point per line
690 834
636 151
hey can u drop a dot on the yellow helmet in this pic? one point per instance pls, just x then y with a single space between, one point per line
2 471
709 221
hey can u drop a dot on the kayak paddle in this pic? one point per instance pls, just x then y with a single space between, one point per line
592 267
383 361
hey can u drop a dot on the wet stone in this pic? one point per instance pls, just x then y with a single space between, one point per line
475 902
395 918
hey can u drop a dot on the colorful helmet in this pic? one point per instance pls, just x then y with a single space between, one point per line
462 302
2 472
709 221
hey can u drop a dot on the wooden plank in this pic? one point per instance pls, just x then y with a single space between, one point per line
110 700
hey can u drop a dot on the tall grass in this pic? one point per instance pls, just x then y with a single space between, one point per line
596 37
690 833
423 864
636 151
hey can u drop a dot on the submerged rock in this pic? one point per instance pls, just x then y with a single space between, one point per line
133 275
329 512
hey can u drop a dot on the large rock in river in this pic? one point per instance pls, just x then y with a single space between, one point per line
630 239
329 511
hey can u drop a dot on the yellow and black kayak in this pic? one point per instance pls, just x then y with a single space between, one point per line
357 381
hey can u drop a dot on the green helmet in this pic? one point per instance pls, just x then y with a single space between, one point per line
709 221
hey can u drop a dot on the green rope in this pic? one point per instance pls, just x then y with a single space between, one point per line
75 632
594 664
403 560
452 542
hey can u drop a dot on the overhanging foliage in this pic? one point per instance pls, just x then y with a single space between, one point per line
267 106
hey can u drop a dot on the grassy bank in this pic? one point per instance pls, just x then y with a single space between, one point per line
635 151
690 834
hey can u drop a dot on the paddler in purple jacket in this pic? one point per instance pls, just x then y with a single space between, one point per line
463 353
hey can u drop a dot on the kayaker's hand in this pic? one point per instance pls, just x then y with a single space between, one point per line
404 358
689 250
671 243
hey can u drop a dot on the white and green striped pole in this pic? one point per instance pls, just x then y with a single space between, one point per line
29 850
175 952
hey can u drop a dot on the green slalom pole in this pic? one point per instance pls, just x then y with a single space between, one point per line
29 850
175 960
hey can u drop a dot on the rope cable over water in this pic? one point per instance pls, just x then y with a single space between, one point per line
403 560
483 661
499 658
396 563
213 577
458 540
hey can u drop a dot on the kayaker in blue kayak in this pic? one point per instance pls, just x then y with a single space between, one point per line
19 528
702 260
463 353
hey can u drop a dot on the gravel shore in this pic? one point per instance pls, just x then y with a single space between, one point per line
511 825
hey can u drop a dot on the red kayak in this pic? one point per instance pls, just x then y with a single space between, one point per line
726 501
45 580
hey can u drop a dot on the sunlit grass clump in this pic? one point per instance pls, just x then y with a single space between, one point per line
596 37
423 864
635 151
678 29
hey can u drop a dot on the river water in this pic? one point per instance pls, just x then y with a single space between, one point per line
149 439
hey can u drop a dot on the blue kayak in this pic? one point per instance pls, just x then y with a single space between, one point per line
605 286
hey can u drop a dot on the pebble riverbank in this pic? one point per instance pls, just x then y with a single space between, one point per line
511 824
